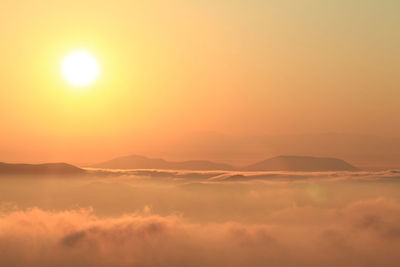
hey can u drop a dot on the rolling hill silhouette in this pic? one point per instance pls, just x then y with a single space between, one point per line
365 151
140 162
39 169
300 163
280 163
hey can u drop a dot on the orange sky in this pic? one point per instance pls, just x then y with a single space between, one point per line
172 67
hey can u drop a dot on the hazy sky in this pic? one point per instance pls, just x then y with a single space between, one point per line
167 67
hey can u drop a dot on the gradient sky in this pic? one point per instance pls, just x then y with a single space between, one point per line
169 67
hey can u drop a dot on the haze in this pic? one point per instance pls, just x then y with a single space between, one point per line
199 133
240 68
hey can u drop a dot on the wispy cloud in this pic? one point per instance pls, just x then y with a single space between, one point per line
242 176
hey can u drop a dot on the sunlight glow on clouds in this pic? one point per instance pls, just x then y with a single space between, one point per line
310 220
77 237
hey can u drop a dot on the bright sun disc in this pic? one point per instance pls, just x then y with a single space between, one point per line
80 68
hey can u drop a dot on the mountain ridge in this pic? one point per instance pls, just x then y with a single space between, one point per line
141 162
59 168
301 163
278 163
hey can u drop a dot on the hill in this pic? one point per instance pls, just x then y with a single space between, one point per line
39 169
300 163
365 151
140 162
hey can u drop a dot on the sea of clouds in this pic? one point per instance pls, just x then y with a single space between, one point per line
175 218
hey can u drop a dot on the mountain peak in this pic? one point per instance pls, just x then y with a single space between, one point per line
301 163
142 162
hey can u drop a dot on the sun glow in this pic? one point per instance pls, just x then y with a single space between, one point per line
80 68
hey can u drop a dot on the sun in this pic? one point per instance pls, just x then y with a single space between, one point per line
80 68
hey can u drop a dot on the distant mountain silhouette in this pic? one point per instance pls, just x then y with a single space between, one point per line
140 162
39 169
300 163
366 151
280 163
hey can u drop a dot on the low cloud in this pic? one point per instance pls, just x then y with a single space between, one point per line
363 233
184 218
243 176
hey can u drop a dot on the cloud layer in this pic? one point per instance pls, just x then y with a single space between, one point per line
365 233
297 219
